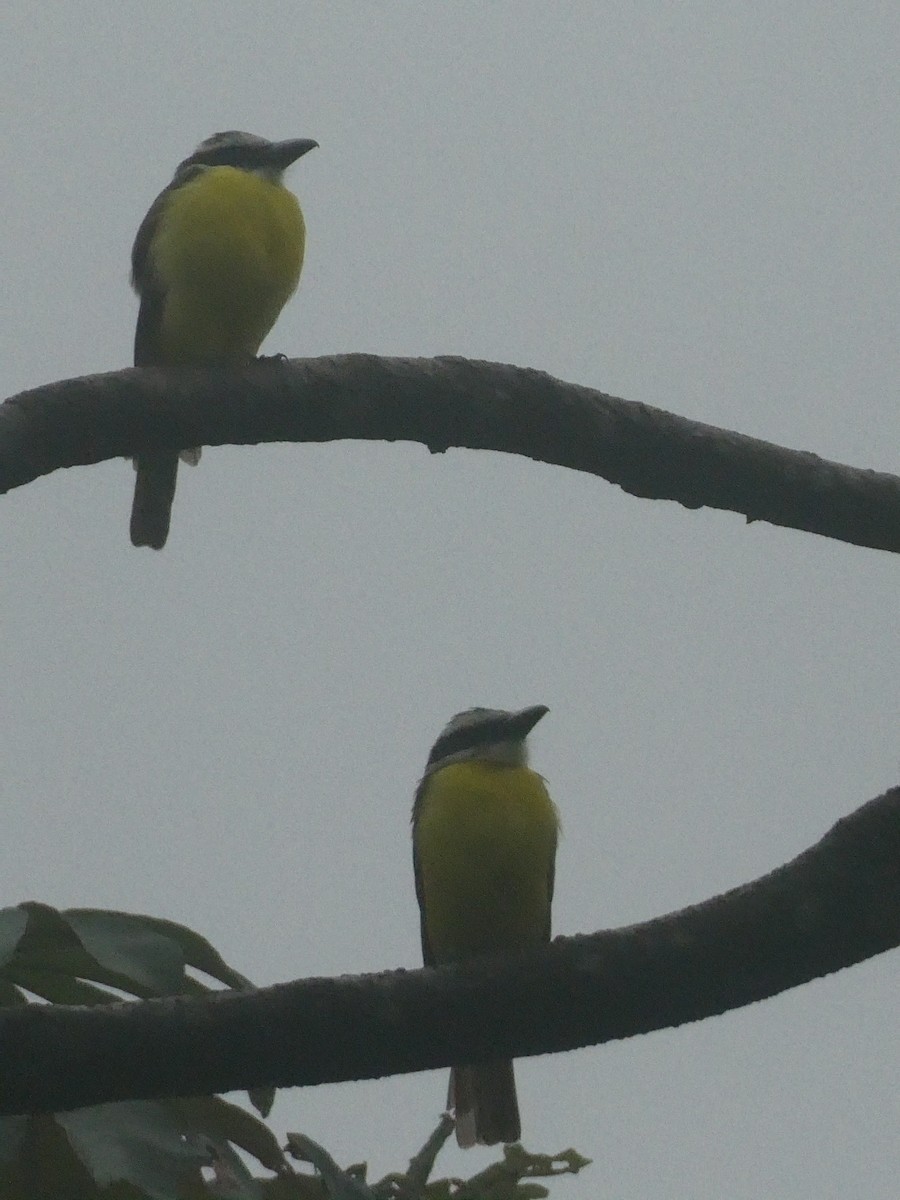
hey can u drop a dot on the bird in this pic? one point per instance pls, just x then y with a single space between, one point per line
484 833
215 260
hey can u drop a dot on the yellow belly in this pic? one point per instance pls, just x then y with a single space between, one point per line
228 253
486 843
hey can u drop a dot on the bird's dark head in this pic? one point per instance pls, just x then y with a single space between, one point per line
486 733
248 152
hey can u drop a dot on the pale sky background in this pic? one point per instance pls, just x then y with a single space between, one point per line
691 205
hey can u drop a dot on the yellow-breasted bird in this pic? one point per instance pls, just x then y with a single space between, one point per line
215 260
484 850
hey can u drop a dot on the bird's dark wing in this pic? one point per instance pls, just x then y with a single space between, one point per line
145 283
551 878
146 332
143 277
427 955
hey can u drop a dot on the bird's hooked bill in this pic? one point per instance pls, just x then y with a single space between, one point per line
287 152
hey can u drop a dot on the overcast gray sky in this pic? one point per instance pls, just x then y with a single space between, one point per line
691 205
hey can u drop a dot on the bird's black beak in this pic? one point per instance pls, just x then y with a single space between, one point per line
284 153
521 723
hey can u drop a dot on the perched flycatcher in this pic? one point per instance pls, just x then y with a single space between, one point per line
214 262
484 848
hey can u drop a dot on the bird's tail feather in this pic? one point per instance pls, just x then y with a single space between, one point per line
154 491
483 1099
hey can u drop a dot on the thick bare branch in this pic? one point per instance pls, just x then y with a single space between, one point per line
836 904
444 402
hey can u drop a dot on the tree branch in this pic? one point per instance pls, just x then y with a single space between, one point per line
444 402
837 904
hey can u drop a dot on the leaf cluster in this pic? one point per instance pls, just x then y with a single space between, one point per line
187 1148
135 1148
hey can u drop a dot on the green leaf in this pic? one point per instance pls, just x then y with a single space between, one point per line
10 994
59 988
138 955
13 922
137 1142
262 1099
230 1178
197 951
50 944
128 946
340 1185
47 931
219 1119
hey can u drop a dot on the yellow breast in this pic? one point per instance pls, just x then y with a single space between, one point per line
485 838
227 252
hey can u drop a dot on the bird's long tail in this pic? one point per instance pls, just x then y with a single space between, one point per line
484 1101
154 491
